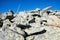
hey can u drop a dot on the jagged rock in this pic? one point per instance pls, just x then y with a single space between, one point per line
10 15
10 12
57 13
30 25
1 22
3 16
32 21
44 10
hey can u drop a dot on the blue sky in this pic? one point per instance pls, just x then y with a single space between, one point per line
5 5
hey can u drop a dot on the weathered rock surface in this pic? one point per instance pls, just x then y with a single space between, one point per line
30 25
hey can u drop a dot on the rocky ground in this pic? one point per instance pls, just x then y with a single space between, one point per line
29 25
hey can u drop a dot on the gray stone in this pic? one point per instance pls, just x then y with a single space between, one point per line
30 25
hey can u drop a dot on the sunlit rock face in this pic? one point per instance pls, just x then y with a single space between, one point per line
29 25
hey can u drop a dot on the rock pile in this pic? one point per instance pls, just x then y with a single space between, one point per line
29 25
